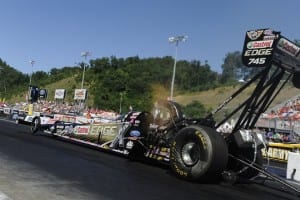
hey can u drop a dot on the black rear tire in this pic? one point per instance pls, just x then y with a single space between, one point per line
198 153
35 125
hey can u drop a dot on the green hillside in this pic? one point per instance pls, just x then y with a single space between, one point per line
136 83
212 98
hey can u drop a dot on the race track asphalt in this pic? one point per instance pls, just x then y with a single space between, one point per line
41 167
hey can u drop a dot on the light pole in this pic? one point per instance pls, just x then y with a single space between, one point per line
1 69
32 62
121 98
175 40
84 54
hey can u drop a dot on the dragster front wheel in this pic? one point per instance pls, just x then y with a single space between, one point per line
35 125
198 153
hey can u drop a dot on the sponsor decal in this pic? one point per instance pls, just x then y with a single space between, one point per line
270 37
135 133
202 138
276 153
258 52
288 47
268 32
47 120
81 130
104 129
65 118
260 44
253 35
60 126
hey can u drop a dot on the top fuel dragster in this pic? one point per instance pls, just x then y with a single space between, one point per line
196 149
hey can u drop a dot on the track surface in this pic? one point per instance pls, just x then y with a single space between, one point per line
41 167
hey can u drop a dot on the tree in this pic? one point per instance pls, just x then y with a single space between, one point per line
194 110
192 76
40 78
233 68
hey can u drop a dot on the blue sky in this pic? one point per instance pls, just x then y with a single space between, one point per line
55 32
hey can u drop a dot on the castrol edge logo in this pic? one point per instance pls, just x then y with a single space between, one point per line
260 44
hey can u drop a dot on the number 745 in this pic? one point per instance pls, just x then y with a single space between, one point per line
257 61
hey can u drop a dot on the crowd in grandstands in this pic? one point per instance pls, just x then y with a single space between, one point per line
276 136
289 110
287 120
286 115
50 107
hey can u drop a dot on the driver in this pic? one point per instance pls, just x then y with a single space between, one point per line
160 114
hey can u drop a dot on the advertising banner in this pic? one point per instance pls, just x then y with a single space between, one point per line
80 94
6 111
59 94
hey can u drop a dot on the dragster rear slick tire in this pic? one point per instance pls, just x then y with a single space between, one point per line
198 153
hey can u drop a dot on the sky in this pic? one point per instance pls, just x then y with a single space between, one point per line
54 33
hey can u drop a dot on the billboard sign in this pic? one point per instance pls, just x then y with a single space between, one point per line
80 94
43 93
59 94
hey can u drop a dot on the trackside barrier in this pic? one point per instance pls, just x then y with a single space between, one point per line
280 151
281 125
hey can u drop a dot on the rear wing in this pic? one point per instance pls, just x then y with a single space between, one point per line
265 47
279 59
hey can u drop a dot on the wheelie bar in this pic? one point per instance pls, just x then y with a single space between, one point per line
266 173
